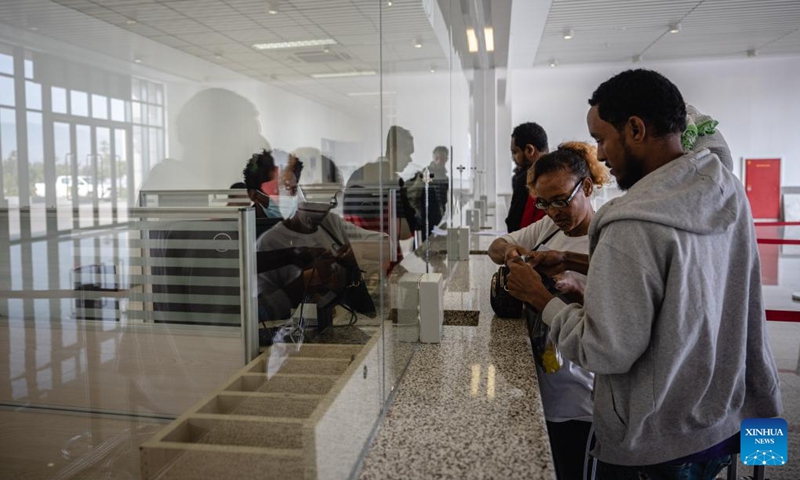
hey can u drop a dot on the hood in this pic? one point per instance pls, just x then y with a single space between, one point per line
695 193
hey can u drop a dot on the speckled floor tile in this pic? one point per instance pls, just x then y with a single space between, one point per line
461 318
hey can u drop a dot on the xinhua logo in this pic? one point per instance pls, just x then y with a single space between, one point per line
764 442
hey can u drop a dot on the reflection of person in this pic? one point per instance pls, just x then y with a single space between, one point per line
366 195
216 128
309 228
564 181
236 202
260 180
528 143
319 168
440 184
673 319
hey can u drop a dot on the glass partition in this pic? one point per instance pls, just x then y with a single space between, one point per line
110 332
132 290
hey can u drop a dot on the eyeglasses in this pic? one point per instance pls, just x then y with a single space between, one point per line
543 205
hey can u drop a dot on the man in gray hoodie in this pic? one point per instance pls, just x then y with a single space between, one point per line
673 321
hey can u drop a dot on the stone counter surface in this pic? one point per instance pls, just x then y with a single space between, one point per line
468 407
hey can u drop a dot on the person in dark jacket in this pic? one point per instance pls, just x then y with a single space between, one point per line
528 143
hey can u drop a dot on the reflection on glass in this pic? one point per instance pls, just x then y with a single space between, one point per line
117 110
155 115
218 130
8 151
6 64
80 103
99 107
35 169
165 129
136 89
33 95
7 91
136 109
59 100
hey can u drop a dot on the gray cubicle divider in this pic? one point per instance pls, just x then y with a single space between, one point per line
197 267
234 197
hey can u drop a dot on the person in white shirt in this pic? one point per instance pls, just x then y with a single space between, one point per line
563 182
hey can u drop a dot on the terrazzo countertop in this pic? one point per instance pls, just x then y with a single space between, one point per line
468 407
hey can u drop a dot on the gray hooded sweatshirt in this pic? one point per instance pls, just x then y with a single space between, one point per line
673 323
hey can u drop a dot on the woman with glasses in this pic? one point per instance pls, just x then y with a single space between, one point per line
563 182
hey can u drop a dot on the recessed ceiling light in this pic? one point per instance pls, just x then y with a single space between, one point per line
362 73
369 94
433 69
488 36
568 33
218 56
675 28
418 43
553 63
752 53
130 21
472 40
272 7
33 29
296 44
389 3
636 58
137 60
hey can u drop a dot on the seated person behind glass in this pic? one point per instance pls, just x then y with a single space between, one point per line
311 228
261 180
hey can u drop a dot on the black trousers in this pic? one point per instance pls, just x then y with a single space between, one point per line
568 443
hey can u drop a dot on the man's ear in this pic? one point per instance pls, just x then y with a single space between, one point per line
636 129
530 152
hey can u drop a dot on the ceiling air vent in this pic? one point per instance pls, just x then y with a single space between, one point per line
319 56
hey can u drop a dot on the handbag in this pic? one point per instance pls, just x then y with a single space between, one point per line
355 294
502 302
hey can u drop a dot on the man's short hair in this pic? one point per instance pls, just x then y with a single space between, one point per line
259 169
530 133
442 151
645 94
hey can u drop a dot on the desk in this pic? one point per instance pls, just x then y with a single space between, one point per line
470 406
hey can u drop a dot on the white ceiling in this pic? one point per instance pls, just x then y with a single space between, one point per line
614 31
223 31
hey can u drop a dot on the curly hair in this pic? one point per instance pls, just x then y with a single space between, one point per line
577 158
259 169
645 94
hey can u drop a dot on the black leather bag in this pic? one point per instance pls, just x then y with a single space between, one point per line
355 295
503 304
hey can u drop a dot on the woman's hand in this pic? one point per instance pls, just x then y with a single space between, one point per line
525 284
549 262
513 251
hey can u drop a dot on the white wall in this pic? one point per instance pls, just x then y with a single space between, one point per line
287 121
756 101
422 103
